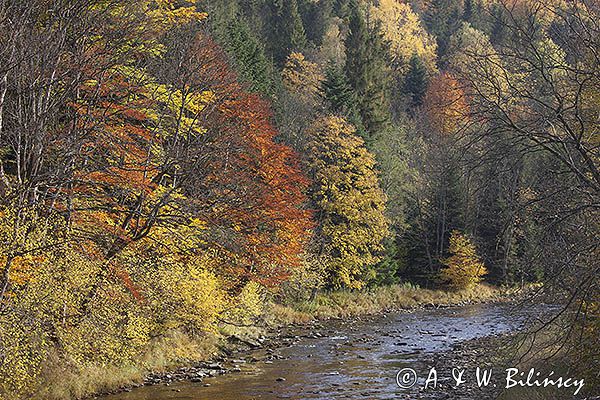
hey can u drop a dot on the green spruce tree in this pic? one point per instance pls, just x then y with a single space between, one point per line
340 97
468 10
367 72
249 56
473 13
315 17
285 30
415 83
442 19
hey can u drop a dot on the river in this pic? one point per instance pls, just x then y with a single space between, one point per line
356 359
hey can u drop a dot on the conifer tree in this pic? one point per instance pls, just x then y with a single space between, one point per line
248 54
286 31
367 71
473 14
468 10
442 19
337 91
340 97
415 83
315 17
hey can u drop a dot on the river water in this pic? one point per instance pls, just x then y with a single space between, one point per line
354 360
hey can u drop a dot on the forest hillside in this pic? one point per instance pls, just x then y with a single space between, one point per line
169 169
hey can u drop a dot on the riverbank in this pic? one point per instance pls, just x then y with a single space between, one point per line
354 358
178 357
346 304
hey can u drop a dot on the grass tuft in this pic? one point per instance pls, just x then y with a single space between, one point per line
345 304
66 379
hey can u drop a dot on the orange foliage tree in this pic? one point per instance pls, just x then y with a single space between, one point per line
163 133
247 186
445 105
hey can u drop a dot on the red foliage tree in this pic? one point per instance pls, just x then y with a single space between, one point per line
249 187
116 168
135 153
445 105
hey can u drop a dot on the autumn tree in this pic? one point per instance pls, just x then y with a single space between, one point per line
332 49
402 29
248 186
480 75
302 77
349 203
445 105
412 52
438 201
463 269
536 101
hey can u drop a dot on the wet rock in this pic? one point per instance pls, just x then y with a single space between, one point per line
213 366
248 342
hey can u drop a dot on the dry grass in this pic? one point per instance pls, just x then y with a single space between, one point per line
67 380
344 304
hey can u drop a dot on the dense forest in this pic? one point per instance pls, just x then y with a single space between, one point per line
174 166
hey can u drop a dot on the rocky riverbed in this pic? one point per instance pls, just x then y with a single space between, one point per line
355 359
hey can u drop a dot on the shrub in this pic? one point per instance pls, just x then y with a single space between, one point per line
463 269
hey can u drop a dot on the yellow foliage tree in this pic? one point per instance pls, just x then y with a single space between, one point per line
350 203
478 66
302 77
402 28
171 284
463 269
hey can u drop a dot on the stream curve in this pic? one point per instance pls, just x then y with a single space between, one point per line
350 359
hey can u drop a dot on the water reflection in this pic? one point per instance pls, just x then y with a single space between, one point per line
353 360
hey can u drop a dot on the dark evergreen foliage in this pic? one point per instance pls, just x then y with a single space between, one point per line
442 19
366 69
415 83
285 31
